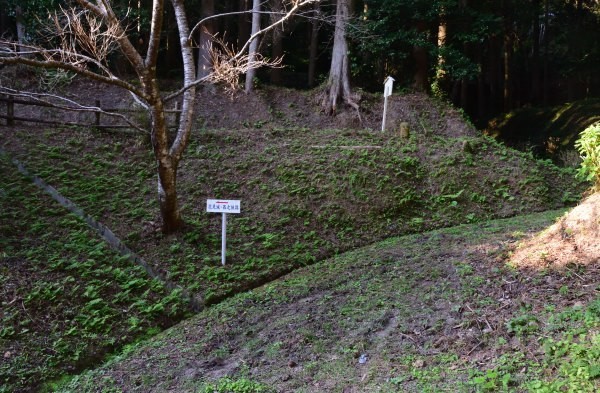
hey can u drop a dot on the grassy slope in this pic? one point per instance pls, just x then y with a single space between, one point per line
67 300
437 311
307 195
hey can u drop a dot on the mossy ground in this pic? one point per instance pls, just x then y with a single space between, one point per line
67 299
307 194
431 312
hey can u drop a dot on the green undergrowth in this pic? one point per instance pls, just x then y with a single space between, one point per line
66 299
306 194
431 312
568 342
228 385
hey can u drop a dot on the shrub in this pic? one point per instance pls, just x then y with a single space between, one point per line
588 146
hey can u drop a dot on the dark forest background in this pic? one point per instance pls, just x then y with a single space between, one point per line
487 56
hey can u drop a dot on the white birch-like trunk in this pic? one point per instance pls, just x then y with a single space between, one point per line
168 157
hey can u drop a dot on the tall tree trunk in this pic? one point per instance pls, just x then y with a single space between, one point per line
535 58
576 76
440 74
338 85
277 53
421 61
243 23
20 25
165 152
206 32
168 154
464 83
507 95
481 93
507 56
421 64
167 172
546 71
276 73
494 73
464 93
253 45
314 46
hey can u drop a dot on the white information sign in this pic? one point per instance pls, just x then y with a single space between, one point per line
388 87
223 206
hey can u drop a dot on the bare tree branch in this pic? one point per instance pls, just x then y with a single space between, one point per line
225 14
295 6
185 88
90 6
224 73
84 37
21 58
104 11
226 68
79 32
9 50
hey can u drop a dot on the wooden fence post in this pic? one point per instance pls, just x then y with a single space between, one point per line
177 113
10 111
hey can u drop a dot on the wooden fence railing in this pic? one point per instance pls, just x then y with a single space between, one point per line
11 117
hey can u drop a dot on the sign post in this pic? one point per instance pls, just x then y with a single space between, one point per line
387 91
223 206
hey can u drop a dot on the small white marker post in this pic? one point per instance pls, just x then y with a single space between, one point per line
223 206
387 91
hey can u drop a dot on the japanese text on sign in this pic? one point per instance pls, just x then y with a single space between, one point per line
223 206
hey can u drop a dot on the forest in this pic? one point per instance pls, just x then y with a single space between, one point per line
488 57
424 254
